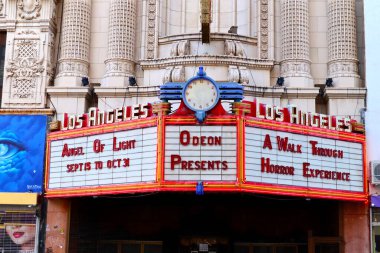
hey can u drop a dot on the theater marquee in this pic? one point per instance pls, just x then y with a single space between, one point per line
301 160
226 152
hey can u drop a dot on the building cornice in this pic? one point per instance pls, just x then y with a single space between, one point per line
344 93
280 92
68 92
191 60
130 91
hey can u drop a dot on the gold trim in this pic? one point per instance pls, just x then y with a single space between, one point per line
48 112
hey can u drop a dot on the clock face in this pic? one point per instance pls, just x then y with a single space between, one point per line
201 95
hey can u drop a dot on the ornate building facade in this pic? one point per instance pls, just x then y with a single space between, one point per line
66 56
52 45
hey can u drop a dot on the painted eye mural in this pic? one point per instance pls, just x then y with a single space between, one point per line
22 146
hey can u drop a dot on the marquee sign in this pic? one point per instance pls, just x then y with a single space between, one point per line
200 153
283 158
259 148
100 158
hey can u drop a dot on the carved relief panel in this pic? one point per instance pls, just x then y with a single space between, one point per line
29 9
24 71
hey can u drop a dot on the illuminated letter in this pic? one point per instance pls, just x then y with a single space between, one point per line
267 142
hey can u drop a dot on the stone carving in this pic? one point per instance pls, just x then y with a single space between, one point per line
27 32
229 48
116 68
264 29
233 74
29 9
178 74
180 48
239 49
238 74
1 6
174 49
167 75
151 38
233 48
244 75
24 69
174 74
295 68
344 68
342 46
183 48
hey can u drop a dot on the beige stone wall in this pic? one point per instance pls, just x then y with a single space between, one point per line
166 46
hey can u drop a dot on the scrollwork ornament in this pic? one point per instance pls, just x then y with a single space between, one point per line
29 9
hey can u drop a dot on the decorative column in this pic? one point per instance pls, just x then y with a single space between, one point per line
343 53
75 43
295 64
121 43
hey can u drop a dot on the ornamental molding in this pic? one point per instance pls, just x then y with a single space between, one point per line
264 29
29 9
292 68
192 60
72 68
343 68
151 29
26 32
119 68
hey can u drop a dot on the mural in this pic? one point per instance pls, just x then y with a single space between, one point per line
17 232
22 146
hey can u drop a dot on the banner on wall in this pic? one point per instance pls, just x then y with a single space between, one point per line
22 146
